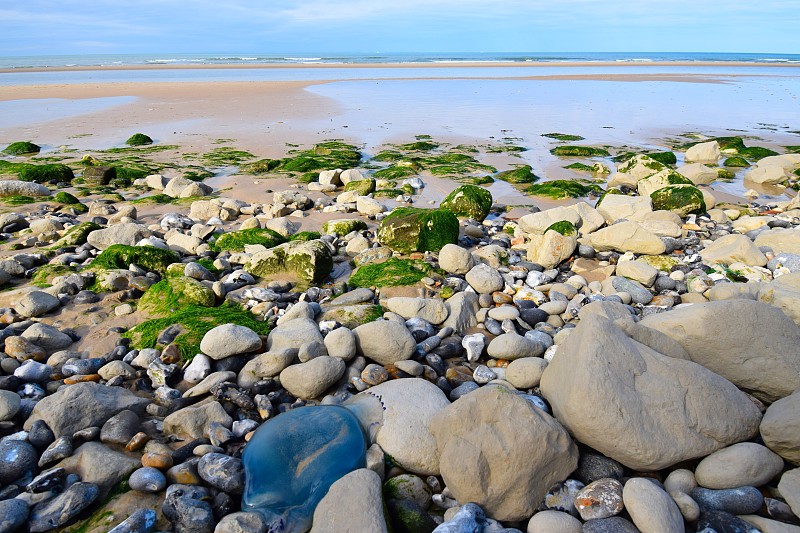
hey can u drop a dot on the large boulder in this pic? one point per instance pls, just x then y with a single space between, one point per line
83 405
780 240
468 201
127 233
752 344
97 463
733 248
22 188
618 206
409 229
702 152
432 310
640 407
384 341
680 199
783 293
310 261
627 236
780 428
539 223
504 463
550 249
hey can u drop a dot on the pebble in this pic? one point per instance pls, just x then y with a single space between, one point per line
33 372
594 466
510 346
680 480
553 522
148 479
140 521
63 508
722 522
60 449
17 459
614 524
485 279
741 500
9 405
600 499
561 497
745 463
222 472
650 507
13 513
120 428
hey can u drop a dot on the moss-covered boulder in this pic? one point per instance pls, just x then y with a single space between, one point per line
351 316
736 162
393 272
170 294
99 175
662 179
45 274
666 158
410 229
362 187
680 199
407 516
76 235
310 261
522 174
139 139
641 166
121 256
343 226
468 201
579 151
66 198
235 241
22 148
54 173
564 227
561 189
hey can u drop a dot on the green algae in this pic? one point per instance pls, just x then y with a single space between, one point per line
362 187
419 146
235 241
22 148
262 166
139 139
792 149
736 161
394 172
561 189
195 321
389 156
305 236
64 197
76 235
725 174
225 156
665 158
154 199
482 180
756 153
343 226
468 201
324 156
680 199
20 200
121 256
393 272
580 166
53 172
44 275
564 227
734 145
388 193
565 137
520 175
579 151
173 293
506 149
410 229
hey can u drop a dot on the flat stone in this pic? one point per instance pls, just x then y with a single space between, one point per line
744 463
229 339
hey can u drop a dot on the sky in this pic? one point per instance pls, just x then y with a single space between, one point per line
325 27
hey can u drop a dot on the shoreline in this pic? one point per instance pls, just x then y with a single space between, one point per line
426 65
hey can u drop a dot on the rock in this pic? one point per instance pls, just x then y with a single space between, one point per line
593 466
674 409
616 206
485 279
353 503
140 521
525 373
430 310
615 524
783 293
408 405
780 428
17 459
97 404
47 337
147 479
765 525
553 522
698 173
22 188
63 508
768 369
310 261
384 341
627 236
600 499
36 303
409 229
406 515
781 240
13 513
410 488
516 480
679 199
741 500
638 271
195 422
704 152
120 428
117 368
550 249
539 223
343 226
638 293
733 248
468 201
309 380
510 346
265 365
455 259
745 463
789 487
461 310
680 480
242 523
23 350
651 508
229 339
9 406
190 515
127 233
222 472
293 335
341 343
96 463
767 175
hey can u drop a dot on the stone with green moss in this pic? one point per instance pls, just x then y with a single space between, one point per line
362 187
736 161
99 175
561 189
393 272
410 229
661 262
397 171
51 173
564 227
468 201
388 193
173 293
521 174
121 256
76 235
407 516
665 178
564 137
310 261
343 226
680 199
44 275
579 151
139 139
482 180
305 236
19 199
756 153
665 158
352 316
66 198
725 174
235 241
419 146
22 148
580 166
792 149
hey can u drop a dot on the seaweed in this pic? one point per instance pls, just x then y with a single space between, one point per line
139 139
736 161
563 137
22 148
236 241
20 200
521 174
226 156
579 151
146 257
561 189
391 273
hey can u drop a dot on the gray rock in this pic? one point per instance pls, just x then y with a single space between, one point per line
293 335
718 521
36 303
13 513
58 450
197 271
17 458
789 487
745 463
60 510
353 503
229 339
96 463
9 405
511 346
384 341
615 524
309 380
32 372
141 521
455 259
741 500
147 479
790 262
47 337
341 343
468 519
461 310
195 422
189 515
120 428
431 310
651 508
242 523
780 428
128 233
485 279
97 404
639 293
22 188
552 522
223 472
600 499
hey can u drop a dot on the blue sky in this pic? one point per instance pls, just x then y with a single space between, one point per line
45 27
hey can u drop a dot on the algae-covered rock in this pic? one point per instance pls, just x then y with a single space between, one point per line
391 273
468 201
22 148
564 227
76 235
343 226
641 166
665 178
409 229
560 189
138 139
101 175
579 151
522 174
120 256
309 260
680 199
55 172
362 187
171 293
736 161
235 241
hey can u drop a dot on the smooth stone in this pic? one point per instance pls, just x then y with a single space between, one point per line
510 346
639 294
744 463
293 335
614 524
765 525
195 422
13 513
242 522
455 259
222 472
9 405
525 373
120 428
32 372
97 463
341 343
468 519
47 337
687 506
309 380
600 499
147 479
229 339
60 510
408 487
60 449
789 487
485 279
741 500
461 308
265 365
140 521
680 480
431 310
36 303
17 458
353 503
651 508
384 341
780 428
553 522
209 382
719 521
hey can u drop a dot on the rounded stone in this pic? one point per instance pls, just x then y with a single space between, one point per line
455 259
600 499
223 472
341 343
650 508
485 279
614 524
309 380
680 480
510 346
17 458
229 339
384 341
525 373
9 405
147 479
745 463
741 500
552 522
13 513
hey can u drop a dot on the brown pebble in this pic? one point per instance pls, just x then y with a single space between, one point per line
22 349
501 363
249 436
501 298
157 460
458 375
184 474
82 379
137 441
662 300
171 355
